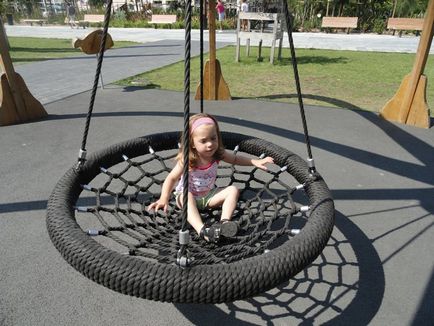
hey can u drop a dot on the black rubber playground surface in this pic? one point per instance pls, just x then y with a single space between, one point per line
377 268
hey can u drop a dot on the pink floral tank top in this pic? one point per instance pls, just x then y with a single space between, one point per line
200 180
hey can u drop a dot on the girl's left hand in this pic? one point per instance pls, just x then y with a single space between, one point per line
261 163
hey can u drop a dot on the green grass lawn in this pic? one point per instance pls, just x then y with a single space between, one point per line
30 49
347 79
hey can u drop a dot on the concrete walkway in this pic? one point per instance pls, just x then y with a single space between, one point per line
354 42
56 79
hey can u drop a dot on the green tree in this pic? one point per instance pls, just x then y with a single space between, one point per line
411 8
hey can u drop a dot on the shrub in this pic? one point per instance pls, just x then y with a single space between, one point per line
379 26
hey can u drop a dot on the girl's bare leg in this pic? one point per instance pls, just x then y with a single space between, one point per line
193 215
227 199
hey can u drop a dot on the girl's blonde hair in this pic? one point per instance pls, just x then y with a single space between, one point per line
193 156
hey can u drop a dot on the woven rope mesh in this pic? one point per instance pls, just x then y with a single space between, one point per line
112 208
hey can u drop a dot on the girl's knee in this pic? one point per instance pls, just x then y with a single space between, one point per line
234 191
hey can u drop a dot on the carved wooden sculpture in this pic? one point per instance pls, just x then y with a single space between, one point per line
92 42
214 85
409 103
17 104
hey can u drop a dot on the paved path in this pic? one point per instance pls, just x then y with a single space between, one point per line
355 42
56 79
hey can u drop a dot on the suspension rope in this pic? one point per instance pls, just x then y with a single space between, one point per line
288 20
184 237
82 155
186 139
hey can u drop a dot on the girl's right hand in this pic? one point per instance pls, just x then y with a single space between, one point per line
158 205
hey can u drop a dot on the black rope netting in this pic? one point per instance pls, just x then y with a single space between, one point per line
97 219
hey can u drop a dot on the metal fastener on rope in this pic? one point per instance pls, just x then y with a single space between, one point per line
183 256
82 155
184 237
311 164
81 158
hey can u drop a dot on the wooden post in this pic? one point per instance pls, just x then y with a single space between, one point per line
17 103
214 85
409 103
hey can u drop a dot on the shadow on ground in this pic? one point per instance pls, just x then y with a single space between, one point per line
352 296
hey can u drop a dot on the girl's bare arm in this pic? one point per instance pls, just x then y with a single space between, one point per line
166 190
231 158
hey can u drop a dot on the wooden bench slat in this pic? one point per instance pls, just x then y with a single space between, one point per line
93 18
163 19
405 23
339 22
31 21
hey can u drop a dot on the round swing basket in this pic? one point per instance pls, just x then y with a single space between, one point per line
98 221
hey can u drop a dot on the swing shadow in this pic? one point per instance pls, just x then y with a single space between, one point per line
352 298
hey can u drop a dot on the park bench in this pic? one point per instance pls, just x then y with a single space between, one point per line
34 21
339 22
163 19
89 19
400 24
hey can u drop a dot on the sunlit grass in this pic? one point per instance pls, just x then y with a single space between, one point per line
348 79
31 49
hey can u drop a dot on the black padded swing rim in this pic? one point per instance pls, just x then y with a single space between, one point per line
198 284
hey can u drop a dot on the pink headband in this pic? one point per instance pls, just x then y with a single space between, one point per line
199 122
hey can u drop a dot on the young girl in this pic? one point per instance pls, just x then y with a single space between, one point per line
206 150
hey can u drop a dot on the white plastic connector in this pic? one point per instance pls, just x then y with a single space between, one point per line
304 209
86 187
299 187
92 232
